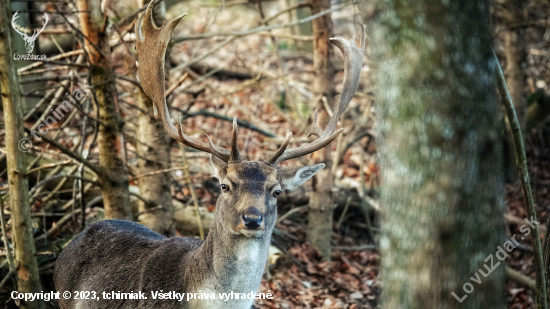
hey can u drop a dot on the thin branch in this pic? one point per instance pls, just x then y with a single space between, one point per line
521 163
47 97
38 185
288 36
56 78
66 218
146 201
5 236
354 248
288 9
203 55
176 84
95 168
290 212
241 123
7 277
57 57
157 172
64 163
259 29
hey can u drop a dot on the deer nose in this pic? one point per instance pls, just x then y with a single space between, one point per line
252 218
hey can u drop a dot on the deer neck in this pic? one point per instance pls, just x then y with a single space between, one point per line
234 262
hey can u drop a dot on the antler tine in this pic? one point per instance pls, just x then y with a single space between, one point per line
44 23
151 45
14 17
353 61
235 156
273 158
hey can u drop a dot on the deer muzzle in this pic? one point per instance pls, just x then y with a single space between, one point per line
252 219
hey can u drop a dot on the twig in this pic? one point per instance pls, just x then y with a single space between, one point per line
146 201
149 210
521 163
344 212
259 29
66 218
69 204
55 78
176 84
288 36
354 248
48 95
231 101
241 123
57 57
156 173
7 277
288 9
189 183
64 163
38 185
5 236
280 65
290 212
203 55
95 168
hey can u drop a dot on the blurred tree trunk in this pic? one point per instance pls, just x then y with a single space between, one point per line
28 280
154 154
441 157
319 229
515 75
110 138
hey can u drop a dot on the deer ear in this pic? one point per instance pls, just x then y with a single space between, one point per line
220 167
295 176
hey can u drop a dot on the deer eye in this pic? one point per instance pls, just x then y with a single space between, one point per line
224 187
277 193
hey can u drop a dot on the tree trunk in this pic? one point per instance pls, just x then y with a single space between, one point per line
154 154
28 280
319 229
441 158
110 139
154 151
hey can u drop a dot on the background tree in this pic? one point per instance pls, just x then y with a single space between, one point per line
440 153
27 277
112 156
319 230
153 148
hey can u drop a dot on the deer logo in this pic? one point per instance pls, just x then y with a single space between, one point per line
29 40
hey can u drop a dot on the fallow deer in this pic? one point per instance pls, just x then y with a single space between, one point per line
123 256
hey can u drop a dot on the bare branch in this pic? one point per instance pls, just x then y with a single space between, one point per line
259 29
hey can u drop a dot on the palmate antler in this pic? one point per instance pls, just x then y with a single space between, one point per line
353 62
151 47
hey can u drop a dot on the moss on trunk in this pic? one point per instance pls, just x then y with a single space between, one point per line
441 159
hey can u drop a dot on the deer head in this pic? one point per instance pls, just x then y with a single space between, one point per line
29 40
249 189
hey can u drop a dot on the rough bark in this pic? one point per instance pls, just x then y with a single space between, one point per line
28 280
154 151
441 158
110 139
319 229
